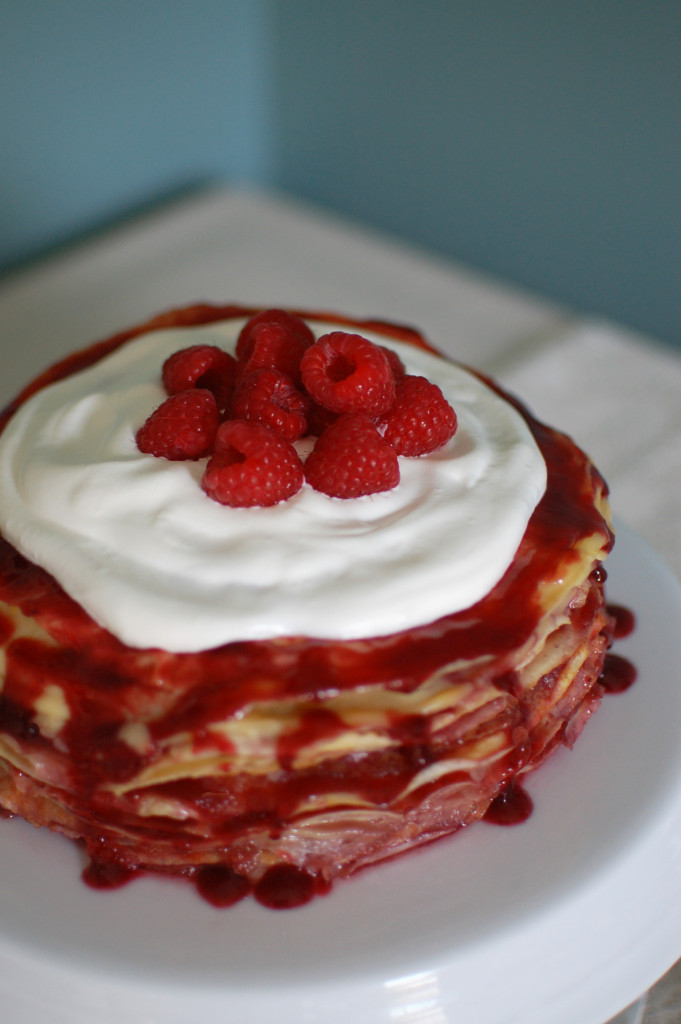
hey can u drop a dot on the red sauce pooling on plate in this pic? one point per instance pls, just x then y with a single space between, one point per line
220 885
625 621
107 683
511 807
618 674
282 887
107 875
285 885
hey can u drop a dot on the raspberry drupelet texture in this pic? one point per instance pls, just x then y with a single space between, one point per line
201 366
182 427
347 373
275 348
274 339
269 397
351 459
396 364
251 466
319 418
420 420
353 395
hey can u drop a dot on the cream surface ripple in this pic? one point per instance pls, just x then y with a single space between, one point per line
136 541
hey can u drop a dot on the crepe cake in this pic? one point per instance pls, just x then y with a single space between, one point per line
264 697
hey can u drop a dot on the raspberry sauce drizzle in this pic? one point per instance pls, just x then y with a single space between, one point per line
220 886
618 674
108 684
282 887
512 807
624 619
107 875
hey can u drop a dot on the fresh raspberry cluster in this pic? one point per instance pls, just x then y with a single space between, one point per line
246 413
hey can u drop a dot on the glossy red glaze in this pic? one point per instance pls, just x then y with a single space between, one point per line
6 628
512 807
220 885
284 886
107 875
625 621
618 674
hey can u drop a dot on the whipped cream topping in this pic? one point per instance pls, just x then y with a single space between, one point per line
138 544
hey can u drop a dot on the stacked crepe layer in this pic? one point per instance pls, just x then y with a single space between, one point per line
325 754
328 780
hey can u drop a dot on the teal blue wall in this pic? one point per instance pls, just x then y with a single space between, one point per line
540 140
535 138
106 105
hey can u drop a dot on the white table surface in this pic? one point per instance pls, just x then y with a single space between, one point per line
616 393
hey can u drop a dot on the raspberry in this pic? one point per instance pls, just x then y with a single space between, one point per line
275 347
421 418
319 418
201 366
269 397
351 459
251 465
396 364
292 325
347 373
182 427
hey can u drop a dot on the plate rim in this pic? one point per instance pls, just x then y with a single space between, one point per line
372 991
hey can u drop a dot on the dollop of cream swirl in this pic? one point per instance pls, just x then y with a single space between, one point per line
138 544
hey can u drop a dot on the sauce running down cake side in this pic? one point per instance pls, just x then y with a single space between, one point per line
263 698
